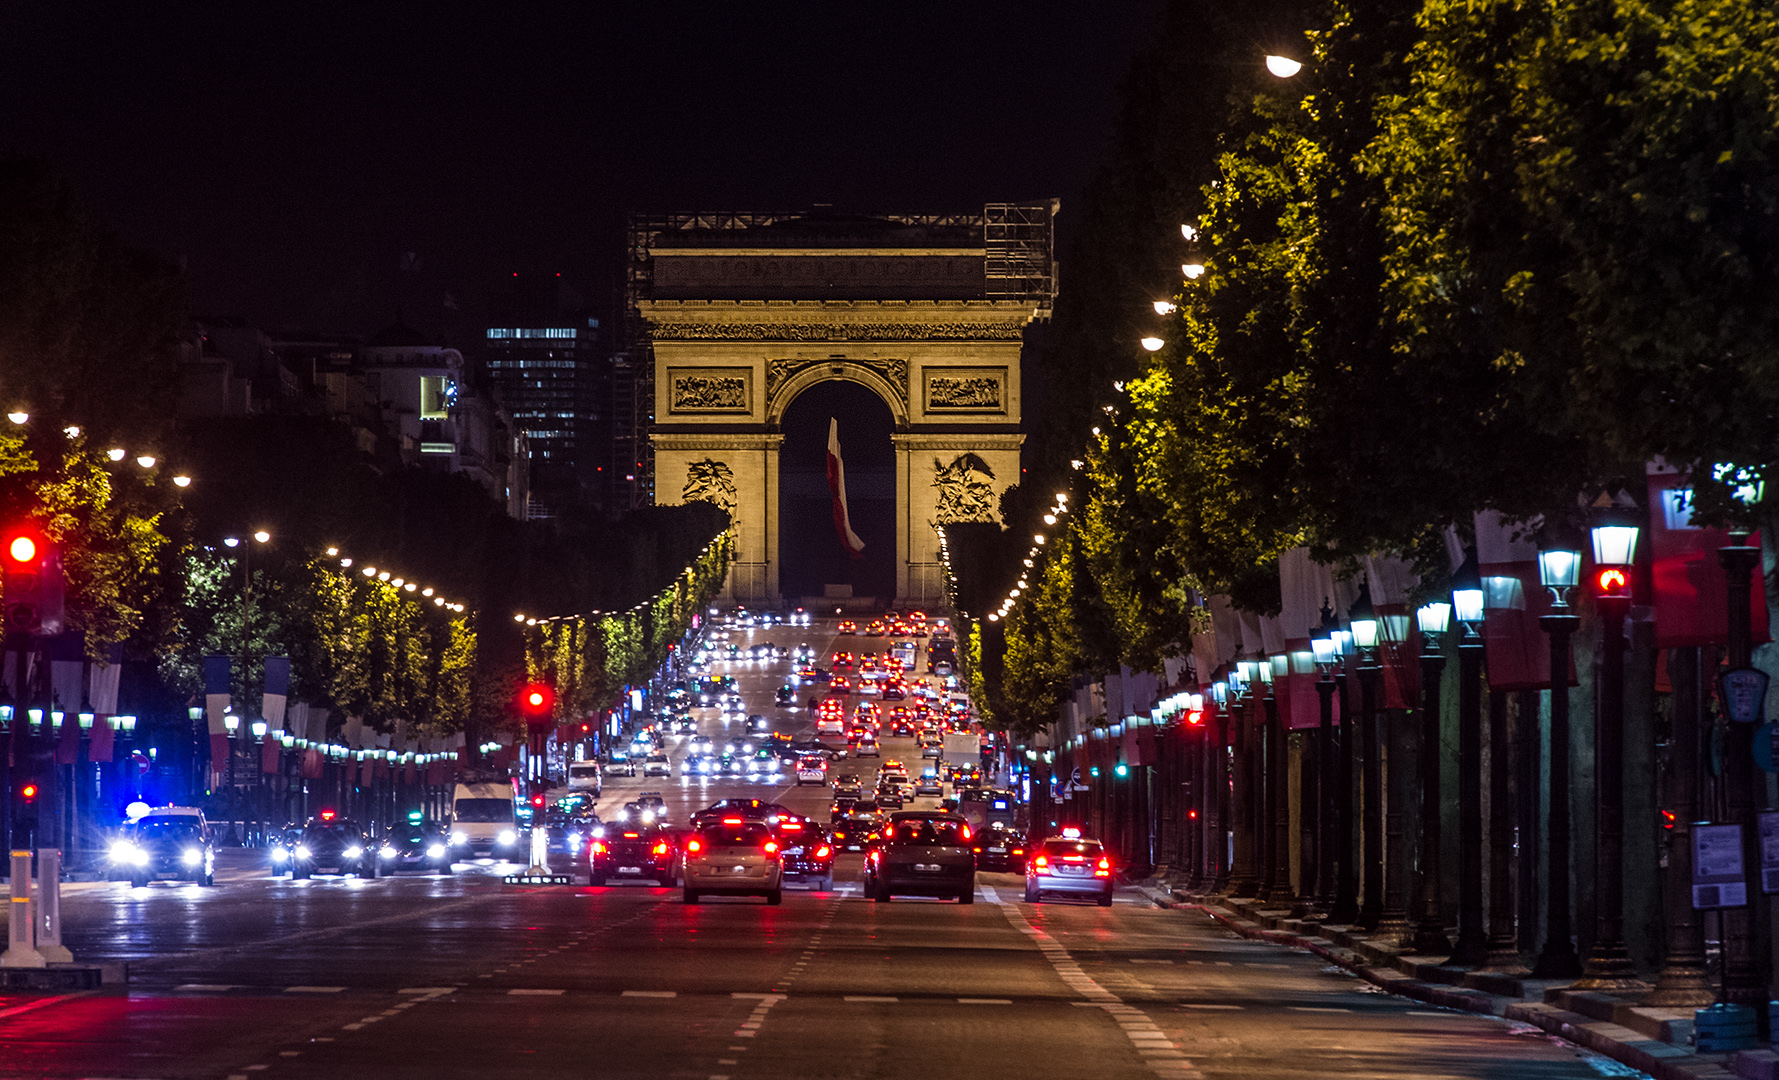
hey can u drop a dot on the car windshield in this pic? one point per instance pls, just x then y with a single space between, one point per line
927 832
484 810
334 830
748 834
166 828
583 770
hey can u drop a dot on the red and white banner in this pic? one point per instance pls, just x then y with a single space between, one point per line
837 484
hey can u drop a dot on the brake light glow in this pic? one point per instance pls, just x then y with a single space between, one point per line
1104 869
598 846
966 831
693 847
731 821
661 847
632 836
771 848
1042 863
793 826
823 852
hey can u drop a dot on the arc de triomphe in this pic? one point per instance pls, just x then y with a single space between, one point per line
744 312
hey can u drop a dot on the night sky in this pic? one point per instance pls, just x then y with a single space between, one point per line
291 154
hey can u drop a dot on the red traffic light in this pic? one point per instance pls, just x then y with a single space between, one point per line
537 699
1612 581
28 792
21 549
1669 819
1195 717
537 801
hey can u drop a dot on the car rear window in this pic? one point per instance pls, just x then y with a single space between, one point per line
1071 847
750 834
927 832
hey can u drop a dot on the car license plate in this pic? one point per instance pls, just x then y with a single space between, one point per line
793 851
998 850
931 868
629 869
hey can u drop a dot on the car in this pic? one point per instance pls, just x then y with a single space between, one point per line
618 763
653 802
758 722
751 809
584 776
733 705
700 744
929 784
894 768
331 842
866 746
785 697
854 830
764 764
633 851
999 847
416 846
812 770
831 724
921 853
1071 865
733 855
931 749
700 765
847 626
806 852
168 841
843 659
889 797
657 765
839 684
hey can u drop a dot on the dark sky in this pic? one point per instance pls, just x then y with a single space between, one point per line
292 152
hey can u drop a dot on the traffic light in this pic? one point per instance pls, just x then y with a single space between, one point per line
1612 581
537 802
24 813
537 701
32 585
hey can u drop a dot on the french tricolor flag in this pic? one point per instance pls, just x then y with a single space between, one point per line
837 484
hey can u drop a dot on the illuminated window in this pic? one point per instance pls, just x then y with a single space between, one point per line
436 394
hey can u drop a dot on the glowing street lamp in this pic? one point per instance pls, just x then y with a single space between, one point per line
1283 66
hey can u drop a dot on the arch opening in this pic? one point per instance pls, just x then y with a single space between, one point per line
811 556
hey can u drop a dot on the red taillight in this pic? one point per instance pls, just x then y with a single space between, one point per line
661 848
966 830
793 826
1042 863
693 847
1104 869
771 848
598 846
1019 851
823 852
731 821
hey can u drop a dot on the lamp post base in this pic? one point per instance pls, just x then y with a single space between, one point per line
1429 939
1681 986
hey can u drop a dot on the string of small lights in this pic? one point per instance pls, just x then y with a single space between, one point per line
535 620
426 592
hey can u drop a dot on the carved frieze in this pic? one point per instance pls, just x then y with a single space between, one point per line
710 481
709 390
966 390
837 331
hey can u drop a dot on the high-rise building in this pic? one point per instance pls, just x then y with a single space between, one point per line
542 357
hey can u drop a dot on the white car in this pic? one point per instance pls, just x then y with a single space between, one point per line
811 770
831 726
658 765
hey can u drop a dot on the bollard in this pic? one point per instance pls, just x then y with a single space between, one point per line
540 852
20 952
1720 1028
49 907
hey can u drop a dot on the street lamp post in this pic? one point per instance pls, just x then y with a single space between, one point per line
1743 981
1279 793
246 545
1608 963
1345 910
1219 772
1242 879
1364 621
1467 604
1559 569
1429 929
1322 651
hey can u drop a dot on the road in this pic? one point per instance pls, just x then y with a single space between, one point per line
460 976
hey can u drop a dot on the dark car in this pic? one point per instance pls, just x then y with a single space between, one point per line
748 809
785 696
999 847
633 852
170 842
806 852
414 847
332 843
890 796
922 854
852 831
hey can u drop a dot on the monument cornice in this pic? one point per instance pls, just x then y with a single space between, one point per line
837 320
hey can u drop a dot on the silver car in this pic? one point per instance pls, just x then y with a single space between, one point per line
1069 865
736 857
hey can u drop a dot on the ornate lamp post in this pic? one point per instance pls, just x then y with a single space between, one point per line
1323 652
1429 938
1219 780
1608 964
1346 882
1265 820
1467 605
1364 621
1559 569
1242 878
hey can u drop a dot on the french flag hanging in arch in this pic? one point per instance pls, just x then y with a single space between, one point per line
855 547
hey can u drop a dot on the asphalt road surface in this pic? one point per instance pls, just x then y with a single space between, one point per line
434 977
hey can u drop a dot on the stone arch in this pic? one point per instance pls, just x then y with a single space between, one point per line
842 370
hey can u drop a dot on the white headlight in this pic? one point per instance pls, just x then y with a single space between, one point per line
459 837
506 836
123 851
599 830
280 855
353 852
388 853
437 851
302 852
648 817
191 857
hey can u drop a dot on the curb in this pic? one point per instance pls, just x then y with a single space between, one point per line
1662 1060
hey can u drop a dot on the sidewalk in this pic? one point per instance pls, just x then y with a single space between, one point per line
1657 1041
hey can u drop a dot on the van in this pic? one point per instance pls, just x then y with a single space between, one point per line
482 821
585 776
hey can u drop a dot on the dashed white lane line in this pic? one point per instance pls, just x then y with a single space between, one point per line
1158 1052
1316 1008
869 997
985 1001
650 993
207 988
535 993
314 989
1193 1005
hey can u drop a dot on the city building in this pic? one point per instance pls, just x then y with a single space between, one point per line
541 355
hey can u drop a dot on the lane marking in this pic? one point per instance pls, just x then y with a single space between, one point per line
1317 1008
1192 1005
868 997
650 993
314 989
985 1001
436 991
535 993
207 988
